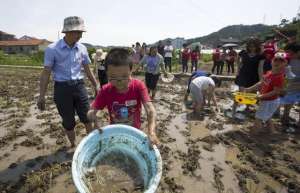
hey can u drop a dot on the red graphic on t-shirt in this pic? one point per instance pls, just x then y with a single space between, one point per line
121 113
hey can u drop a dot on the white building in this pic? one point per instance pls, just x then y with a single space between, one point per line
178 42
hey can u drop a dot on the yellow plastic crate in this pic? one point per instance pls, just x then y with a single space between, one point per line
245 98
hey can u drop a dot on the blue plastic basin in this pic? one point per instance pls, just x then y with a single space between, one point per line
128 140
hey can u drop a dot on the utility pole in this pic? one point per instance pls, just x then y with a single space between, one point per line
264 19
298 28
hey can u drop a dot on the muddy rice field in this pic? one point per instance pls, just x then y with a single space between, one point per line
206 153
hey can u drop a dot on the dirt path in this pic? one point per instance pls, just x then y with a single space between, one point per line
206 154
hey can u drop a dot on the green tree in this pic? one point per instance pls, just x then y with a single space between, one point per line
91 51
283 22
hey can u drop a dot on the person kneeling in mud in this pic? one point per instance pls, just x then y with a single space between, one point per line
123 96
202 88
269 88
194 75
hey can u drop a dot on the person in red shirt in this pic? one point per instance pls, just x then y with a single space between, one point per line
269 50
124 96
230 60
185 56
195 57
216 56
270 88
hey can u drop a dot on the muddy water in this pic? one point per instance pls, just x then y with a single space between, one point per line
203 179
115 172
62 184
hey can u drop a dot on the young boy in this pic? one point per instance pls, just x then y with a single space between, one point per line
202 88
124 95
269 87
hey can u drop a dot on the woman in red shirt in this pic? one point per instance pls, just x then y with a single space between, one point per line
230 60
185 56
195 57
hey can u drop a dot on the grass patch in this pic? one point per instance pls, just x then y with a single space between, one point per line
35 59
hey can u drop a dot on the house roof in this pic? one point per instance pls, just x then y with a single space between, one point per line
23 42
4 33
26 37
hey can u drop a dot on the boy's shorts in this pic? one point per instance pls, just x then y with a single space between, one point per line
196 94
290 98
266 109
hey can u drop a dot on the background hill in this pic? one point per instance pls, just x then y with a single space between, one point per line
240 32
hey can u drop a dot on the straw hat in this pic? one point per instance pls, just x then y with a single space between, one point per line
73 23
103 54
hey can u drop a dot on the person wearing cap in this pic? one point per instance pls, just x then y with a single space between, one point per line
269 50
269 88
292 89
67 59
100 66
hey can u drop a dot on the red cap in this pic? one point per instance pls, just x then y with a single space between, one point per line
281 55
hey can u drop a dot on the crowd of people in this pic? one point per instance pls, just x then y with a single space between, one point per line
187 55
274 73
221 56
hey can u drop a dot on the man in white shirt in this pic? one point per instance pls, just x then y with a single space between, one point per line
168 55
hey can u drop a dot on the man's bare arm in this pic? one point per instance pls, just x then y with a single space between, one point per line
91 77
44 81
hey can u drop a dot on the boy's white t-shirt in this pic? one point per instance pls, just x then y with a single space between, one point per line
203 82
168 51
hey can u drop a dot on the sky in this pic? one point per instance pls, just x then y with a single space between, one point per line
124 22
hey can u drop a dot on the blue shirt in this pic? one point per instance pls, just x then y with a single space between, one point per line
153 64
66 62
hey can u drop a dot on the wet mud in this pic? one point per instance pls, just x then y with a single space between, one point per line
206 153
